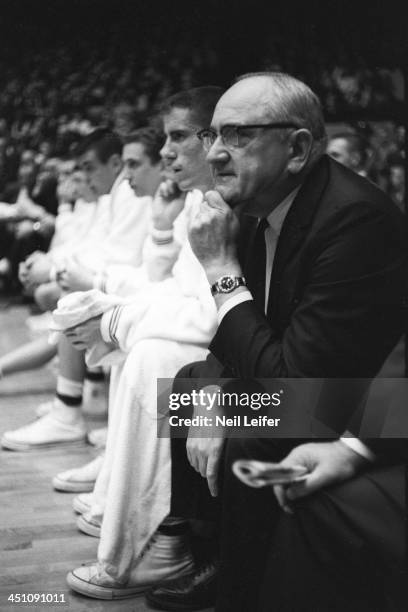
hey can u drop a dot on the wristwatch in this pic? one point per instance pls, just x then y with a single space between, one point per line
226 284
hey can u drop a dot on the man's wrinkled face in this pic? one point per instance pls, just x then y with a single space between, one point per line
142 174
182 153
256 169
100 176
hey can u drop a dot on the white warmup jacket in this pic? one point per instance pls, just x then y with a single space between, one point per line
178 308
72 225
163 326
115 234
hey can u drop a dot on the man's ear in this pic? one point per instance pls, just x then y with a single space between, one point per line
355 160
115 161
301 143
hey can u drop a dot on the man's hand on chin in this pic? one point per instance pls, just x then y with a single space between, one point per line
213 234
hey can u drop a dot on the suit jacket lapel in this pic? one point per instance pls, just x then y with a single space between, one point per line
296 223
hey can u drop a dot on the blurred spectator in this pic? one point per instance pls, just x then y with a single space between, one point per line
375 147
71 82
9 160
396 179
350 150
28 223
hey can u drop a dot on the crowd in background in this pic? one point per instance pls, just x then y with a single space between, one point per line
42 105
71 83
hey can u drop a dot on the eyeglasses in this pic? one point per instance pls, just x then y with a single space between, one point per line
236 136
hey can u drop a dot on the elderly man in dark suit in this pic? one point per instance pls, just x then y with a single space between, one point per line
310 283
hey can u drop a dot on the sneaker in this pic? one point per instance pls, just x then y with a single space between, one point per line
164 558
97 437
46 432
197 591
90 524
79 480
44 408
95 398
40 323
82 503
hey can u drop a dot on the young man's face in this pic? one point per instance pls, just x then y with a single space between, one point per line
81 186
182 153
65 170
142 174
100 176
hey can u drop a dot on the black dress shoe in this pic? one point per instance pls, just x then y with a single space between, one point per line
194 592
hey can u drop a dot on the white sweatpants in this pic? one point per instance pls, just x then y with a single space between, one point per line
134 485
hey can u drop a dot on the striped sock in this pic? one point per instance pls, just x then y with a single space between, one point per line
94 374
69 391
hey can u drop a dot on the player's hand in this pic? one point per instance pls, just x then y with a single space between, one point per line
37 269
86 334
167 204
75 277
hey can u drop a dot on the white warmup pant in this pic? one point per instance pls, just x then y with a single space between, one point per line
134 485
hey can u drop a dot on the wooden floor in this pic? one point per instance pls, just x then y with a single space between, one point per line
39 542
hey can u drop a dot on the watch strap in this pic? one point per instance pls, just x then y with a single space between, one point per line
227 284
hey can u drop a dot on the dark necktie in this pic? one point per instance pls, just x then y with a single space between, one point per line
255 265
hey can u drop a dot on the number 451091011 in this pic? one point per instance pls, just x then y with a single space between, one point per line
37 598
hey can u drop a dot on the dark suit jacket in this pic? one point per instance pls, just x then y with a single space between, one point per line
338 288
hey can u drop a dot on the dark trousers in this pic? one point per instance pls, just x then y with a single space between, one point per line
343 549
253 528
243 542
190 497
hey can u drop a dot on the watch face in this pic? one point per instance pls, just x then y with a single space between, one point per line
227 283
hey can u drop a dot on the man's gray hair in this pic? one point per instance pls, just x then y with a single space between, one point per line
297 104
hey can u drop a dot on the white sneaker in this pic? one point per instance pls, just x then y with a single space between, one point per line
44 408
82 503
79 480
39 324
97 437
90 524
165 558
46 432
95 398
